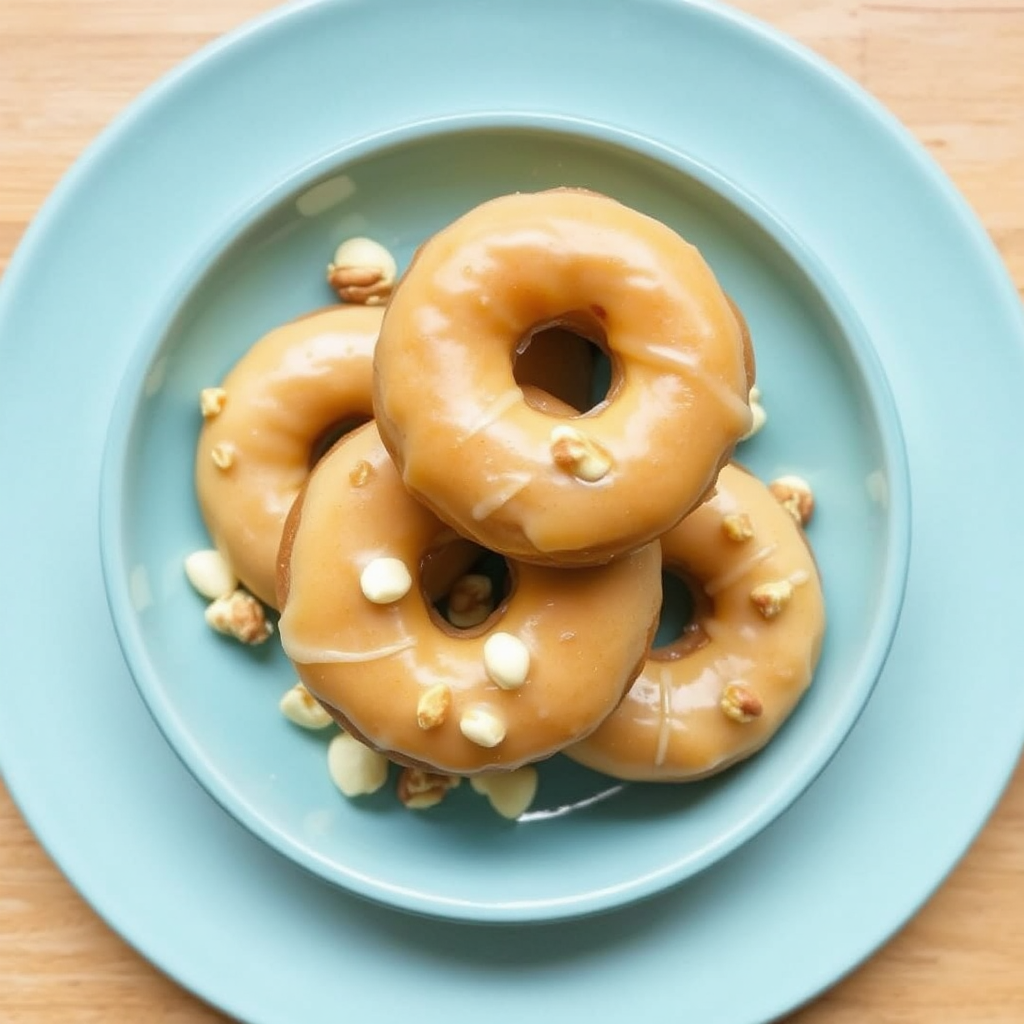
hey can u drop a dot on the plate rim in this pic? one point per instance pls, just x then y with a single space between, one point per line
131 395
1010 315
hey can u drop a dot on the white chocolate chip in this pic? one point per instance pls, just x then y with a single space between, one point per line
470 600
211 402
362 271
482 727
579 454
510 793
385 580
506 660
223 455
758 415
770 598
240 615
298 705
354 768
433 706
208 571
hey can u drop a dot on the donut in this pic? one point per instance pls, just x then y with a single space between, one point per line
279 405
573 490
718 693
544 669
294 391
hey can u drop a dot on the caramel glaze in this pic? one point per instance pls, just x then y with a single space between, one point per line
671 726
480 455
587 631
289 396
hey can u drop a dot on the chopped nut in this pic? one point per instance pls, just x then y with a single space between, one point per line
419 789
469 601
796 497
354 768
211 402
759 416
433 706
510 793
360 473
385 580
506 660
770 598
738 527
740 703
240 615
298 705
362 271
482 727
578 454
223 455
209 572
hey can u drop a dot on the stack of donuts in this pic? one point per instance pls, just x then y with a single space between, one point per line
466 433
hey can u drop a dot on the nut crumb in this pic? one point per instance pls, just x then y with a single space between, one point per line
240 615
223 455
771 598
740 703
360 473
433 706
362 271
794 494
738 527
470 600
419 789
578 454
212 401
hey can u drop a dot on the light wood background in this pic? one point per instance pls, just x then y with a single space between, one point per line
953 72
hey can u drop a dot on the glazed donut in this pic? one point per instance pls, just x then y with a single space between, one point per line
720 691
295 390
543 670
566 490
291 390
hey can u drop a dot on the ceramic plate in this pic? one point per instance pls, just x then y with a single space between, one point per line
919 773
216 701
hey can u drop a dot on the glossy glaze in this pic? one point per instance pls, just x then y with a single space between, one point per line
671 726
587 630
292 386
479 455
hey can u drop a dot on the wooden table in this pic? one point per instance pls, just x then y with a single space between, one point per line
953 72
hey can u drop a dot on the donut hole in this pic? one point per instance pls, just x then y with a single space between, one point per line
685 606
464 586
565 363
331 435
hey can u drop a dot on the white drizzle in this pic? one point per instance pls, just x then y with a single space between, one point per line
494 411
672 360
514 483
306 654
664 722
734 575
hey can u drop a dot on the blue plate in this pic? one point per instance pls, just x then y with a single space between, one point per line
917 776
216 701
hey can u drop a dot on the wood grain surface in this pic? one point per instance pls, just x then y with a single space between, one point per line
953 72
